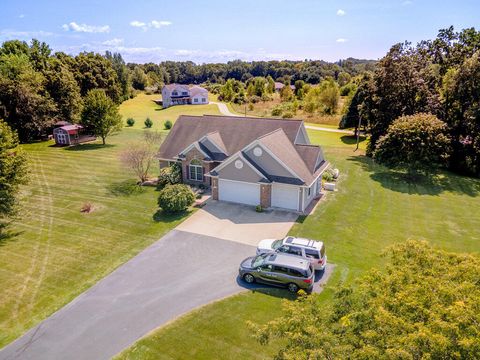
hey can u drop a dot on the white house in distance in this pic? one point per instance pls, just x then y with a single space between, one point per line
177 94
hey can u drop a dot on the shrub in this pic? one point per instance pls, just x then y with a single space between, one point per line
176 198
327 176
148 123
169 176
130 121
251 107
86 208
167 125
277 111
287 115
259 208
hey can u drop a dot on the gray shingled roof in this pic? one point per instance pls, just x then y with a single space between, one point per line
236 132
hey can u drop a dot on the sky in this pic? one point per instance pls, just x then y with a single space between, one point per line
219 31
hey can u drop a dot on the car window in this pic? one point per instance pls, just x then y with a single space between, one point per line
280 269
276 244
266 267
297 273
259 260
291 250
312 253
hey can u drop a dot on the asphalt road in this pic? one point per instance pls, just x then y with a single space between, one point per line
180 272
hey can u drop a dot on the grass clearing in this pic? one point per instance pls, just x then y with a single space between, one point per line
372 209
143 106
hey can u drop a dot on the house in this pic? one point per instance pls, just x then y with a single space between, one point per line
65 133
279 86
254 161
177 94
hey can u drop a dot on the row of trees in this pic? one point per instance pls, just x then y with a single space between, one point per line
440 77
310 71
39 88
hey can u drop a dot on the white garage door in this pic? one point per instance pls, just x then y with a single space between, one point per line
239 192
284 196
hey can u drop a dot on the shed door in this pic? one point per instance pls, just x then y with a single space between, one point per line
285 196
239 192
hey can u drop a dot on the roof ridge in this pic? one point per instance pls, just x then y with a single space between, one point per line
250 117
270 133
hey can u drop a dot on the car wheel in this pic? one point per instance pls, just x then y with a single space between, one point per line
249 278
293 288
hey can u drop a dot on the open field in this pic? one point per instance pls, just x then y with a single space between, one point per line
53 251
373 209
264 109
143 106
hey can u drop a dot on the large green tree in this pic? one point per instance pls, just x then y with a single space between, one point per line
415 142
423 305
13 171
100 114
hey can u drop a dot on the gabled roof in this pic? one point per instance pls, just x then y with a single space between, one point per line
197 90
171 87
235 132
284 150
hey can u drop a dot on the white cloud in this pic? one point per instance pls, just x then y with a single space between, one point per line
21 16
341 12
341 40
157 24
407 2
113 42
73 26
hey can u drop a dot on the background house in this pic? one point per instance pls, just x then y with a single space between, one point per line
177 94
70 134
254 161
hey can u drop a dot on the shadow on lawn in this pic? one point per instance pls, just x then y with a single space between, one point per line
87 147
267 290
7 235
125 188
161 216
432 184
351 139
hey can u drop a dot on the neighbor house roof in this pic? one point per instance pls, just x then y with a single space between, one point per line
71 129
171 87
280 86
235 132
197 90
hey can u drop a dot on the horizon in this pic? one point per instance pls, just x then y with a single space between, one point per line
154 31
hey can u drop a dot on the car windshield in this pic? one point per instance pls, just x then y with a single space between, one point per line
258 260
276 244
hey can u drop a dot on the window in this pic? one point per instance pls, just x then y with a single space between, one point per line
312 253
195 170
195 100
204 100
309 191
296 273
291 250
174 93
184 93
280 269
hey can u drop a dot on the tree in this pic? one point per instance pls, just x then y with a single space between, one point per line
100 114
423 305
139 79
286 94
13 172
176 198
413 143
123 74
139 157
329 96
25 103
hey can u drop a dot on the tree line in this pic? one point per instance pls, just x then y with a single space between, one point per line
39 87
440 77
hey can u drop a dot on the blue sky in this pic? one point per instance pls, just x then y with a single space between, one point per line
212 30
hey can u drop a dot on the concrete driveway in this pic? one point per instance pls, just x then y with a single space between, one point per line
239 223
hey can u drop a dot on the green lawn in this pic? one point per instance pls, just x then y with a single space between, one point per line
54 252
143 106
373 209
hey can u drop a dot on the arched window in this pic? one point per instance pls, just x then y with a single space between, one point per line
195 170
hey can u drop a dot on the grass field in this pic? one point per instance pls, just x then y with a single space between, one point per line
373 209
143 106
264 109
53 252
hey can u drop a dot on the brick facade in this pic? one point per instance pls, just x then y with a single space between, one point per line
215 188
207 166
265 195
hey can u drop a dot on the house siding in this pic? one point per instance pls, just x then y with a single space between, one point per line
207 166
245 174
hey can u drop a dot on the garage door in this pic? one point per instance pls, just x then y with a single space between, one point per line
284 196
239 192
